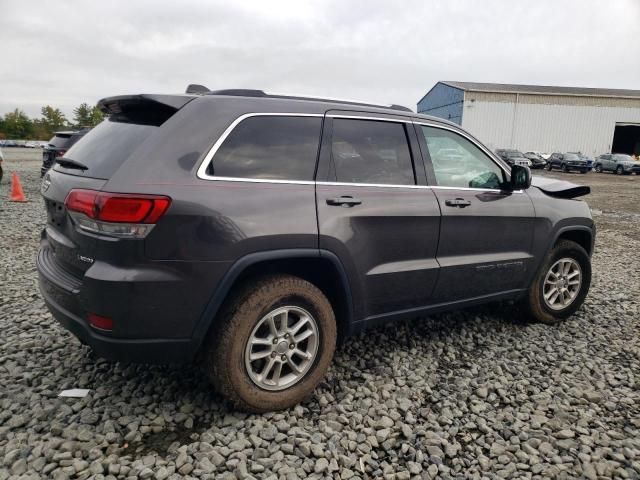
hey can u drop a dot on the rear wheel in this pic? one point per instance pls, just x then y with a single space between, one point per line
561 285
565 169
274 344
549 167
619 170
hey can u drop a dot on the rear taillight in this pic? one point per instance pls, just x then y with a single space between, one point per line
116 214
60 153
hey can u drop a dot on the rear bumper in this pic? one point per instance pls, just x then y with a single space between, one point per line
125 350
127 301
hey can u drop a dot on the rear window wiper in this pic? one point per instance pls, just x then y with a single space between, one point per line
69 163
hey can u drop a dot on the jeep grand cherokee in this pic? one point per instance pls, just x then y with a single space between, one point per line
248 231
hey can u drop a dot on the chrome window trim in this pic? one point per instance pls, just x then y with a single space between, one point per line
202 169
428 187
201 172
361 117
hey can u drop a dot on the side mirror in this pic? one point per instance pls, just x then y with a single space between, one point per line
520 177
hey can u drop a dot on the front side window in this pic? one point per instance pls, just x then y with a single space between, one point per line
270 148
371 151
457 162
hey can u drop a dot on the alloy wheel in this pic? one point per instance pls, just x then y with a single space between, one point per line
562 284
281 348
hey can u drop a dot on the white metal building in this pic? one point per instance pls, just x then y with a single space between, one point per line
541 118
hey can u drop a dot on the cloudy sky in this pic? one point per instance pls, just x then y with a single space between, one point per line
66 52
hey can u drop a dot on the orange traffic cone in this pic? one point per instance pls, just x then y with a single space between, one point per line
17 194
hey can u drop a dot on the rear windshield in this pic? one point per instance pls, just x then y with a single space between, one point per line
105 148
60 140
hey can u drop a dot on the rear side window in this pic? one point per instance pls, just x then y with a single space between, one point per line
270 148
106 147
370 151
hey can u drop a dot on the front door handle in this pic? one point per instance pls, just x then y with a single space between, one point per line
457 202
344 201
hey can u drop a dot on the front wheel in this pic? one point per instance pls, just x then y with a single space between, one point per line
273 345
549 167
598 168
561 284
619 170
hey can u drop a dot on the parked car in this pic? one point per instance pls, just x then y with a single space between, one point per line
513 157
536 160
1 161
567 162
618 163
586 158
251 230
32 144
58 146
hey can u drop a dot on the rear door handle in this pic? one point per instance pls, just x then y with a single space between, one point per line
457 202
344 201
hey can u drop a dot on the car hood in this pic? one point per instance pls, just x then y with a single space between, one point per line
560 188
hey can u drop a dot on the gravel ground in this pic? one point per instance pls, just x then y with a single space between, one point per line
470 394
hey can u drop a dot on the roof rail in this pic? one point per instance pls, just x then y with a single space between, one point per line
246 92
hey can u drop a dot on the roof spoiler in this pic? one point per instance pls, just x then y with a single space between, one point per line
119 104
143 109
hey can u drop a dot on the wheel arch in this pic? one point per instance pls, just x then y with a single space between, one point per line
320 267
579 234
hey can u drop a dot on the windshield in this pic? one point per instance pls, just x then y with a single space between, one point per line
623 158
571 156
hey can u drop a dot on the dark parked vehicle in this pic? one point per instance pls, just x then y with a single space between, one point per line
567 162
250 231
536 160
58 146
617 162
1 160
513 157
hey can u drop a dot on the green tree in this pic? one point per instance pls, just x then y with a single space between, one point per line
53 119
96 116
17 125
87 116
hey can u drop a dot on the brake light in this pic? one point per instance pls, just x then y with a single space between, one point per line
118 214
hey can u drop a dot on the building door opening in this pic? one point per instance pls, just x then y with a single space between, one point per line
626 139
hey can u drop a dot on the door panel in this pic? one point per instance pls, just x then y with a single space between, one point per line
484 247
387 243
486 232
375 212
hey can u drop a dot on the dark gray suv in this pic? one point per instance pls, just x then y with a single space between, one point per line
249 231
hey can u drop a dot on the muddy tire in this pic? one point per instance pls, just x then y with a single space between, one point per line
554 294
274 343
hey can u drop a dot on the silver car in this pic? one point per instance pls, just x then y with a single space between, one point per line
618 163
